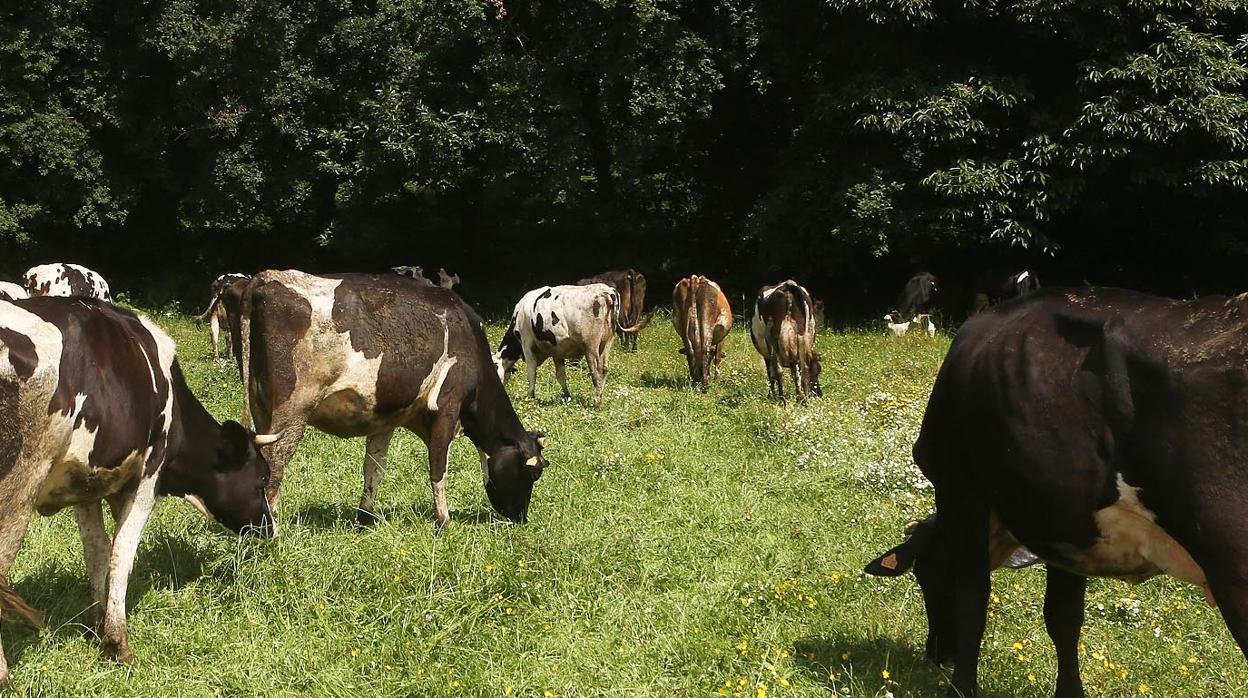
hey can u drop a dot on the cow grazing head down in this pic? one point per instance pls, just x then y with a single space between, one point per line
240 475
510 473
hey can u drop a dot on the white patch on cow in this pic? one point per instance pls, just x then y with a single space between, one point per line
45 280
1132 546
432 385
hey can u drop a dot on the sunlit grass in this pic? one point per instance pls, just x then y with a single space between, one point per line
681 542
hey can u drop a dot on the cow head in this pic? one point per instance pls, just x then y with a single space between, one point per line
816 367
235 496
510 471
927 552
509 352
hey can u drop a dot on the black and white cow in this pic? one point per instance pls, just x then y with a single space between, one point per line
915 306
93 406
996 286
227 296
1104 430
12 292
783 331
365 354
561 323
411 272
63 279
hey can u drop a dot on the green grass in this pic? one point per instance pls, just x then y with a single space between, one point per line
681 542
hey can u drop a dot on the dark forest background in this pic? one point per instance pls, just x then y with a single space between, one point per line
844 143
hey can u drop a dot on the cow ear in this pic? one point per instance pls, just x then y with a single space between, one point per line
1020 558
233 445
895 562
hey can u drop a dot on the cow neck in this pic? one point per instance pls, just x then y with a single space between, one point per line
492 422
192 442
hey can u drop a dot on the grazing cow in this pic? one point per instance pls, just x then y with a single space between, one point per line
561 323
417 273
227 296
365 354
62 279
1102 429
997 286
93 406
897 327
783 331
12 292
703 318
447 281
631 285
821 318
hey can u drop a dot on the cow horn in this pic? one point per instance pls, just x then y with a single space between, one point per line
266 439
910 528
532 462
541 442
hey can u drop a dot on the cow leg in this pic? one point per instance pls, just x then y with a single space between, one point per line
775 379
96 549
1230 589
214 327
530 365
11 534
375 450
597 373
972 581
134 512
279 454
561 372
1063 617
440 436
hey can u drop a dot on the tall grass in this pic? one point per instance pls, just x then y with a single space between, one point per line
681 543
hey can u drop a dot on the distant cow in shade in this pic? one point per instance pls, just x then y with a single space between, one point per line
365 354
447 281
783 331
223 309
997 286
631 285
416 273
703 319
93 406
561 323
12 292
62 279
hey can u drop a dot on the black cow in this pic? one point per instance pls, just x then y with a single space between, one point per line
919 297
997 286
93 406
227 297
365 354
1105 431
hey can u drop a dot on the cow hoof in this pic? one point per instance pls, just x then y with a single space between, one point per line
366 519
116 650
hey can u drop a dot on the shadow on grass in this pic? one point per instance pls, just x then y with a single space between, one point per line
650 379
344 516
63 594
866 660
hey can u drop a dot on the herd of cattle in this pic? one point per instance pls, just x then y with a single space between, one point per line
1098 430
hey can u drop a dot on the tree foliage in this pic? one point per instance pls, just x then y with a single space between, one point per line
844 142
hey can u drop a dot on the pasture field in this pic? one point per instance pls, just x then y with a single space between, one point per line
681 543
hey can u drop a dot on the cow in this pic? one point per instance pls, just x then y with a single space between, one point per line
12 292
63 279
631 285
447 281
897 327
1102 429
227 296
821 318
783 331
365 354
996 286
417 273
561 323
703 319
94 406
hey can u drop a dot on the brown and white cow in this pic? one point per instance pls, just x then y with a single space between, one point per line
783 331
631 285
10 291
365 354
227 297
64 279
703 318
93 406
561 323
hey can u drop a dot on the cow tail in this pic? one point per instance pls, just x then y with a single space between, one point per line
13 605
244 339
211 307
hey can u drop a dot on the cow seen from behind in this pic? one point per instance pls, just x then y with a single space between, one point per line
703 319
783 331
